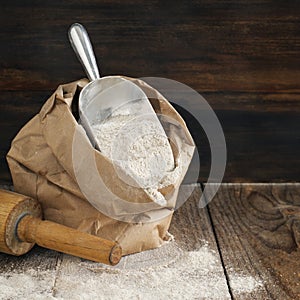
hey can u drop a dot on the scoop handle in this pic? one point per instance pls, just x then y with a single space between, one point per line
68 240
83 48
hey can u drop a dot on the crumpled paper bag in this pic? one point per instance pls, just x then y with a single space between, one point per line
41 161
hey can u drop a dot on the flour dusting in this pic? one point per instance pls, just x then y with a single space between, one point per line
168 272
31 284
244 284
164 273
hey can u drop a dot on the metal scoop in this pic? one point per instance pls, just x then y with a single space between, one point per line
102 96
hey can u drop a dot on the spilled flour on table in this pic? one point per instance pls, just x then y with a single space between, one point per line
244 284
31 284
181 275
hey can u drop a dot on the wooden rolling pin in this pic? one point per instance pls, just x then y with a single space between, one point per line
21 226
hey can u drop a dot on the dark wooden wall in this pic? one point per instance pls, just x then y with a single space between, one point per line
242 56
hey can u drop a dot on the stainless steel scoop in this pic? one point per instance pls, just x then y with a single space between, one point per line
102 96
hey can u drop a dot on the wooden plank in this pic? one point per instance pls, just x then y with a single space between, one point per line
254 101
257 140
39 259
30 276
243 56
266 144
209 45
258 233
187 268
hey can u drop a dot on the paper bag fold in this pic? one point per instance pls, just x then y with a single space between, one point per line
41 161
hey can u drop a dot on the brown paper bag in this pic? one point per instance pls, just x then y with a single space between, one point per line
41 161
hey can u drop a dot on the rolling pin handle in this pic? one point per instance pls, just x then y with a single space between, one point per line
68 240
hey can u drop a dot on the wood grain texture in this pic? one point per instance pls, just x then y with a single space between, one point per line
29 276
53 275
209 45
203 277
258 233
38 259
253 227
190 225
263 141
242 56
12 207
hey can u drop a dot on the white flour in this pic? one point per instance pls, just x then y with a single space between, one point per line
140 148
244 284
163 273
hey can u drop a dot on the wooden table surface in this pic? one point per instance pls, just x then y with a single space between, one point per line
244 245
242 56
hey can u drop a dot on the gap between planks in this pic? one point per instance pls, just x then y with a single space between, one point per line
253 227
68 276
203 278
257 229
